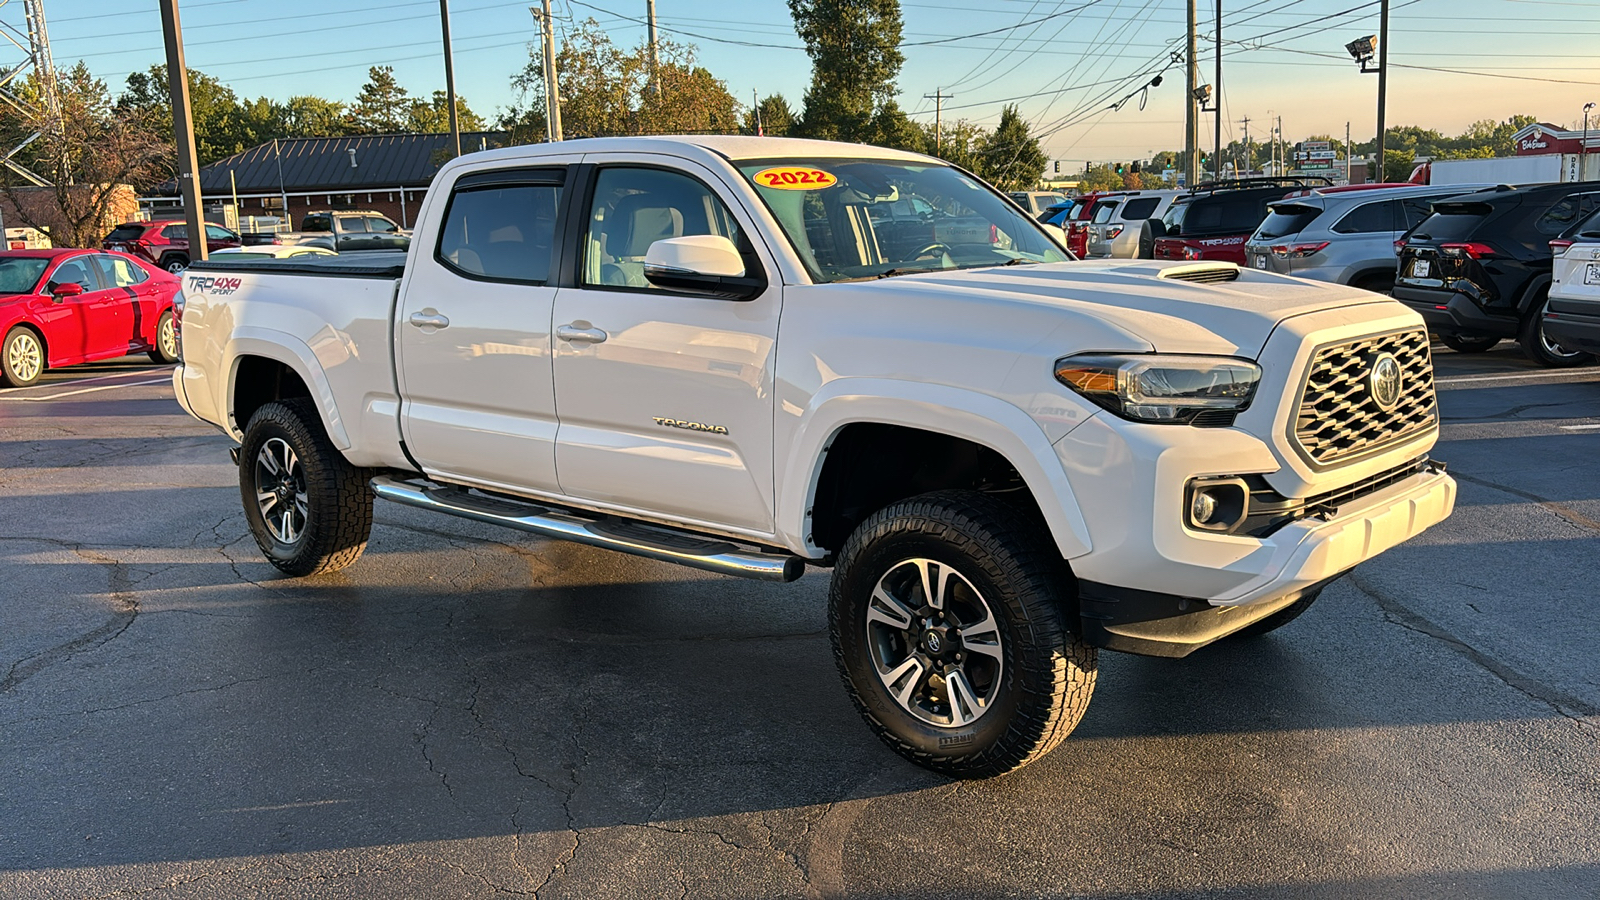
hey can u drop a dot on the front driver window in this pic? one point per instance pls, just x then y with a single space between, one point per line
634 208
73 271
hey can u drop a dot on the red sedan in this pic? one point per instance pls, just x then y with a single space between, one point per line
62 307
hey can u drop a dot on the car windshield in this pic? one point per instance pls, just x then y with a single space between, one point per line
870 218
20 275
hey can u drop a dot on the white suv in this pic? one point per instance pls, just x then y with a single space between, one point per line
1114 231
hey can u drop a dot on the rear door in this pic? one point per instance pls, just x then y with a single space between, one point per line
146 298
665 397
473 331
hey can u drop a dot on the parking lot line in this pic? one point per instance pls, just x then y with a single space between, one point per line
1517 376
1580 427
90 390
144 370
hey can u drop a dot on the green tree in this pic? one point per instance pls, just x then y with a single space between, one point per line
855 58
433 117
776 118
382 106
1101 178
1397 164
959 142
606 90
308 116
1012 158
91 153
222 125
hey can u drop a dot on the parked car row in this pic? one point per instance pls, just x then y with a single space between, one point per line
166 243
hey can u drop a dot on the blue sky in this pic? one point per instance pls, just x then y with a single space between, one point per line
1067 62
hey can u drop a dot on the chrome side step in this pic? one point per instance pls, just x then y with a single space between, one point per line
623 535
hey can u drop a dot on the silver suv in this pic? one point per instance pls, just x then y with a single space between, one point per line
1344 235
1114 230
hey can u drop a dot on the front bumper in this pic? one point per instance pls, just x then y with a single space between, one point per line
1302 557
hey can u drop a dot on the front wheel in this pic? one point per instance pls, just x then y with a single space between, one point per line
166 347
1540 347
309 510
21 358
947 618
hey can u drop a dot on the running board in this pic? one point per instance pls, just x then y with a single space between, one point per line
623 535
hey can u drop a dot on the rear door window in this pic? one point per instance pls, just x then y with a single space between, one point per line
175 232
1285 220
118 272
1139 209
1565 212
1103 212
1415 209
500 226
1371 218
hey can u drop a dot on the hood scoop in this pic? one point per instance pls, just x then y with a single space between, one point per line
1208 273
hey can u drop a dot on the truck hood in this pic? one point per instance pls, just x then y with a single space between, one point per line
1174 307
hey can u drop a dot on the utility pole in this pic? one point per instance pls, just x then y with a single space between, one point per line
1216 155
1347 153
938 97
1191 110
1383 78
655 60
183 130
450 77
552 91
1246 122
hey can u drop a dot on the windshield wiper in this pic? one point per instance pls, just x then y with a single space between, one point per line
893 272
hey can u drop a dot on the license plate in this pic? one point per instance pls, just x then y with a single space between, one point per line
1420 269
120 248
1591 273
1261 262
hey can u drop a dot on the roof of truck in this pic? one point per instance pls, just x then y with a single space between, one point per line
728 146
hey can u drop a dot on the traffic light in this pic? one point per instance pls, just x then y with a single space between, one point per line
1135 167
1121 167
1058 167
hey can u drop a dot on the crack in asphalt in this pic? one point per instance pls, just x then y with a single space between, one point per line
1571 515
1394 611
125 609
145 702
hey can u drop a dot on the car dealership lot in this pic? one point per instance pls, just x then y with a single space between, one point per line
469 711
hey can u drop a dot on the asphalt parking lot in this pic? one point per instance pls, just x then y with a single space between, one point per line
469 711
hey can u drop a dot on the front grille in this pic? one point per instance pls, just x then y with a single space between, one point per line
1339 421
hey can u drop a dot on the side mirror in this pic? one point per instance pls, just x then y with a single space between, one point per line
701 264
65 290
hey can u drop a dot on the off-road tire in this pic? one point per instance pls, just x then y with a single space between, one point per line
1048 673
1464 343
162 352
338 498
1280 618
175 262
1540 348
22 358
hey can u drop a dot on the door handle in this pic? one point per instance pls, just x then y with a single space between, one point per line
581 335
429 318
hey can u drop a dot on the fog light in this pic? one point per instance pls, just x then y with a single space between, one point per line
1217 504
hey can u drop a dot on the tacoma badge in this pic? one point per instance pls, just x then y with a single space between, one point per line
692 426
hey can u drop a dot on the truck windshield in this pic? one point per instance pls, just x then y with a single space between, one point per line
20 275
852 219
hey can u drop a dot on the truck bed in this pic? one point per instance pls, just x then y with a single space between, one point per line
360 264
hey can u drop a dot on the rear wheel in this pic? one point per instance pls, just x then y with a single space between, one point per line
946 613
1469 343
175 262
166 346
22 358
1540 347
309 510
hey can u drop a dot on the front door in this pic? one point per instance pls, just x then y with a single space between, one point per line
665 398
473 333
86 326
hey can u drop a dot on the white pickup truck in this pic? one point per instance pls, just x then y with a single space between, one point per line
698 350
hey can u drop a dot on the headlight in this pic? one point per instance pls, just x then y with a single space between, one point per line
1157 388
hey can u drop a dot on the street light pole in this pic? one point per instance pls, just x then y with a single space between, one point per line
183 131
1383 78
450 77
1583 149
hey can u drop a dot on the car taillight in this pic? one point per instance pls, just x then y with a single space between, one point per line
1399 246
1473 250
994 234
1297 251
1559 246
1191 253
1113 231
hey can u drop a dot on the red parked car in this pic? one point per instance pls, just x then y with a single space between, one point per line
1077 224
62 307
165 243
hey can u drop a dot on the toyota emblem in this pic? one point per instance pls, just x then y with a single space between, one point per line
1384 381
